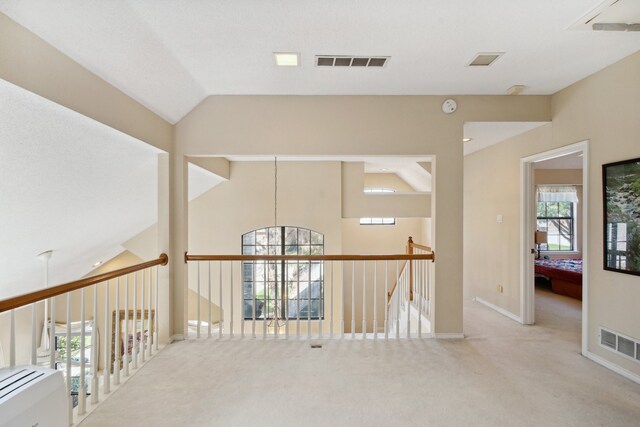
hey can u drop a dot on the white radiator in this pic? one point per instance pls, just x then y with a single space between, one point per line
33 396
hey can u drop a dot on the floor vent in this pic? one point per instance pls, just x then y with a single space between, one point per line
620 344
351 61
316 345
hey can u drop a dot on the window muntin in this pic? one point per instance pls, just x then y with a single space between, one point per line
379 190
558 220
290 289
377 221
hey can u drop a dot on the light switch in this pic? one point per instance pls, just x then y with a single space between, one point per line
499 219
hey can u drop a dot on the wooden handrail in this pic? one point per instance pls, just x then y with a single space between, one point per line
421 247
392 257
410 246
42 294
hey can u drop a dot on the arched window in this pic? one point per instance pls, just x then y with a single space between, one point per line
283 289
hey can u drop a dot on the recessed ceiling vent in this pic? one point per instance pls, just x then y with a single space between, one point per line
611 15
485 59
351 61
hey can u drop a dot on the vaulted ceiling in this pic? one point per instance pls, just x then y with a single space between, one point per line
169 55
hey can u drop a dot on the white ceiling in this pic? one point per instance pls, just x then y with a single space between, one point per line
201 181
64 177
570 161
486 134
169 55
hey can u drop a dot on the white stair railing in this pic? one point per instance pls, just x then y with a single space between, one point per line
409 300
74 346
302 296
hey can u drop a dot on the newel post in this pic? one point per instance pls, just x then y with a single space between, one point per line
410 252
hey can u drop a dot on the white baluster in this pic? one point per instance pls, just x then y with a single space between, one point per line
82 395
364 299
321 283
231 294
107 332
353 299
149 336
68 359
52 335
253 297
221 322
241 302
34 345
141 349
332 263
116 343
286 302
386 301
12 340
94 348
298 302
375 300
409 303
208 300
309 304
342 304
399 287
125 356
198 302
419 296
265 311
156 331
134 325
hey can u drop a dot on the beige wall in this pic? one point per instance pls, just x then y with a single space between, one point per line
357 204
569 177
31 63
350 125
309 196
492 249
386 180
603 109
22 334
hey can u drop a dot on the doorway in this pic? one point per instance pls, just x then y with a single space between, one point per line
557 236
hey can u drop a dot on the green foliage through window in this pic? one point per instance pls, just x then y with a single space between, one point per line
557 219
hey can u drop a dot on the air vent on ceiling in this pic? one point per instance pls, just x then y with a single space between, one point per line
351 61
485 59
611 15
620 344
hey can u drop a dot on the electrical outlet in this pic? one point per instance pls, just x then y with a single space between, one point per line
500 289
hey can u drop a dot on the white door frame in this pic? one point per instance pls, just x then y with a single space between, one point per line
527 225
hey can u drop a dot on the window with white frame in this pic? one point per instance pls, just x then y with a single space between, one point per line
556 214
378 220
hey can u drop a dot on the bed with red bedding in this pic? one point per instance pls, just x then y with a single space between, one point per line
565 275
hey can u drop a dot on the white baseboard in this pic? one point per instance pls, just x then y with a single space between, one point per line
176 337
448 336
500 310
615 368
